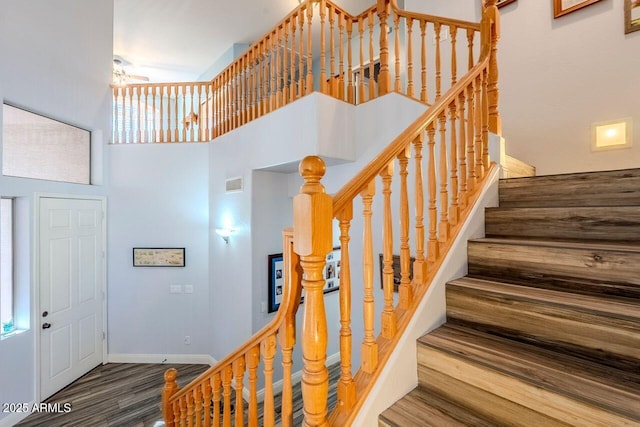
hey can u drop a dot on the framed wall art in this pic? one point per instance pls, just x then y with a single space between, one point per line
158 257
631 16
562 7
501 3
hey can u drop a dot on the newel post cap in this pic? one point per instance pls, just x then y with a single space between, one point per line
312 211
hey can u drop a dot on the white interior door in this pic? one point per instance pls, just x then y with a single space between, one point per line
71 290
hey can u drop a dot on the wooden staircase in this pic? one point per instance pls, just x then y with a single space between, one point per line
545 329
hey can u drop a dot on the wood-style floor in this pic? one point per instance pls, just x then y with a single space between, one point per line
116 394
128 395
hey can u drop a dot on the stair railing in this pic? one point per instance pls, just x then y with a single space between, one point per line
216 396
453 137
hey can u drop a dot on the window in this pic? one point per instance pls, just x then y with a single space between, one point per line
6 266
38 147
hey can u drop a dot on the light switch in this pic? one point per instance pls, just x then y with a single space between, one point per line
175 289
188 289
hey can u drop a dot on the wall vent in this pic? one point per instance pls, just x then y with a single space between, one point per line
233 185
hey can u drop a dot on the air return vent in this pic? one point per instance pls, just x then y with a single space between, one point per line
233 185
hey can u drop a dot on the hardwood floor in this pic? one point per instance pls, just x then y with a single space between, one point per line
116 394
128 395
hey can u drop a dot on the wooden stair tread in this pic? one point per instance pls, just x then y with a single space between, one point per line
565 244
421 407
629 309
597 385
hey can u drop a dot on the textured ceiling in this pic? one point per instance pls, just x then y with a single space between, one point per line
178 40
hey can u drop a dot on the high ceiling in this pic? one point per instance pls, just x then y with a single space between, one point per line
178 40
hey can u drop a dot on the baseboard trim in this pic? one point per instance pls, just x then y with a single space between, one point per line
15 417
204 359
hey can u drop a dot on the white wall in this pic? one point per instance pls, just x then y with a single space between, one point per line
158 197
557 76
56 60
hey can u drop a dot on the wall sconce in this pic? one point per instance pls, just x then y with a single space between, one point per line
225 233
611 135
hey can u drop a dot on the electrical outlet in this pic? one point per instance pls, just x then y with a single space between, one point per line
187 340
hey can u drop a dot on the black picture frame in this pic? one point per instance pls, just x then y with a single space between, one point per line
159 257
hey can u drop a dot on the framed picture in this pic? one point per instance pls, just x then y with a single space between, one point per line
562 7
501 3
276 281
158 257
631 16
331 274
397 276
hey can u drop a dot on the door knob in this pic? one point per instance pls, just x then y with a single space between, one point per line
46 325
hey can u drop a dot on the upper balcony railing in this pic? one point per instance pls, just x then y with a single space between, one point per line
317 47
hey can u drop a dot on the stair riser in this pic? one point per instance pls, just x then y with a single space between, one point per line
512 389
571 269
617 223
544 322
611 188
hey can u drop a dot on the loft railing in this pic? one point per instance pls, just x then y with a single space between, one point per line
317 47
437 168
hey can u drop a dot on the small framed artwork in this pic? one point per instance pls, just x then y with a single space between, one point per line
332 271
276 281
397 270
562 7
501 3
631 16
158 257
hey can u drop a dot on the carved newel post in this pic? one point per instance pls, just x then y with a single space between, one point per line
169 389
312 228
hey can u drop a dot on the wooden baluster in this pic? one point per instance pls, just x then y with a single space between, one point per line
478 130
177 414
350 88
260 82
384 78
410 90
396 26
361 97
169 389
453 32
215 385
424 94
206 400
346 388
405 290
332 52
241 87
233 84
283 100
491 27
433 252
462 147
341 53
309 84
268 350
454 210
301 73
470 35
419 265
323 49
369 348
485 122
140 113
154 134
293 86
197 398
183 412
190 409
436 28
471 182
238 374
227 375
193 123
372 81
312 225
444 178
273 60
116 102
253 92
266 60
131 126
253 360
161 130
216 108
287 342
389 321
177 113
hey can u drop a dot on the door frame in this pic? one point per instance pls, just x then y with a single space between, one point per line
35 314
